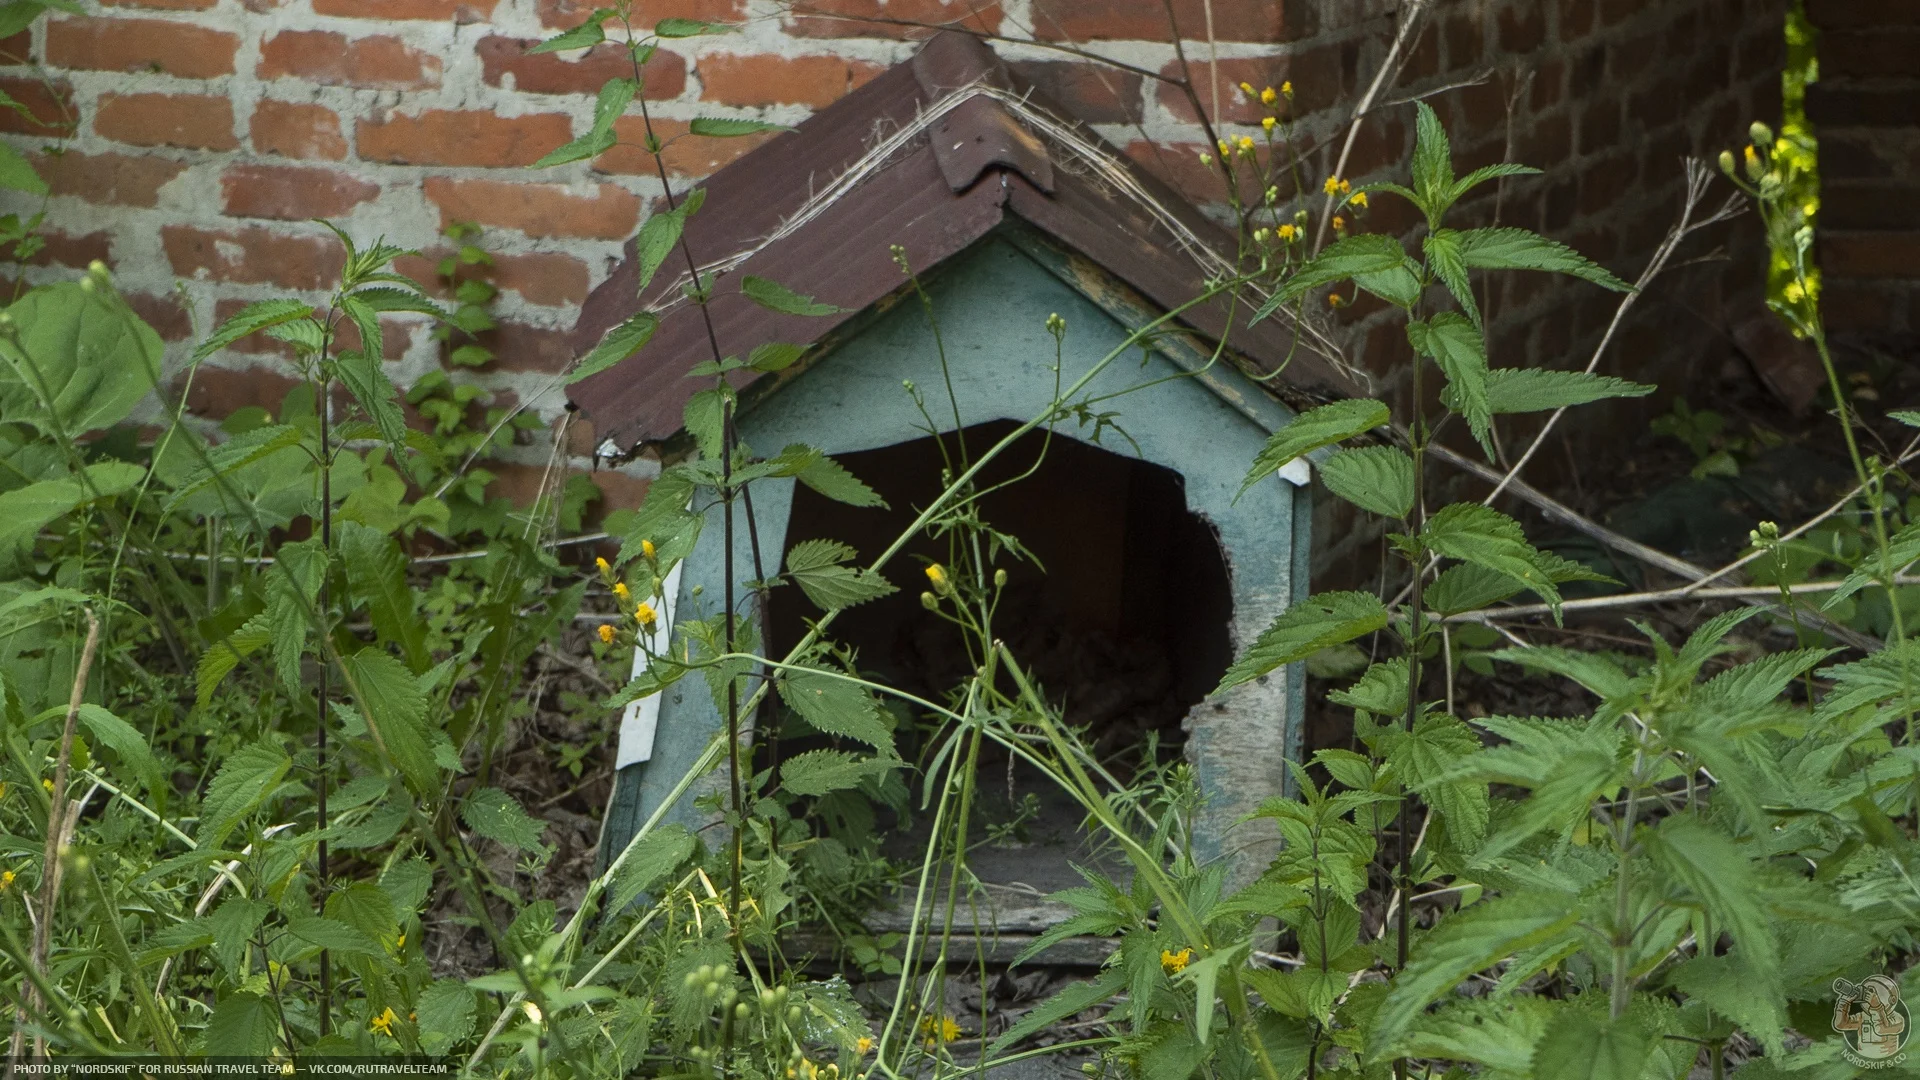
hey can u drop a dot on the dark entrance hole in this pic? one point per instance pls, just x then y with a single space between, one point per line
1121 614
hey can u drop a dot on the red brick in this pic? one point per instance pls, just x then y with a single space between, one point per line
472 138
1092 92
566 14
1603 182
503 58
1465 38
1146 20
1549 85
78 252
544 210
291 192
1599 126
217 393
546 278
816 81
162 312
518 347
253 256
108 179
17 49
1861 14
1316 75
686 155
163 5
159 45
1883 254
49 107
463 12
1178 165
1883 51
297 131
190 121
906 19
380 62
1576 19
1523 27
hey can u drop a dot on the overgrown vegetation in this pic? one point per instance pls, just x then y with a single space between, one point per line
255 687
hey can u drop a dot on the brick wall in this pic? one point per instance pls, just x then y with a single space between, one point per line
209 131
1865 111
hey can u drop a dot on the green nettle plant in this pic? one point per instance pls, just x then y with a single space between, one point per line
256 686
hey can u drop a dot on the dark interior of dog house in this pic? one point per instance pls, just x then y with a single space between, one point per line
1116 600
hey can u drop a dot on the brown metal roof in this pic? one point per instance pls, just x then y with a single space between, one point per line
939 194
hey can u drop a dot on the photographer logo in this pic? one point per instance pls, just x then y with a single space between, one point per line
1872 1019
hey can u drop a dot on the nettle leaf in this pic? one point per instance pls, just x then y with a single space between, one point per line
1312 430
1518 249
396 713
1361 253
686 28
1305 628
377 577
822 772
24 511
292 587
1432 164
1722 879
817 566
1400 286
650 859
499 817
225 654
774 296
705 418
1906 416
236 453
775 356
837 706
319 932
1075 999
244 780
623 340
233 924
1580 1045
727 128
1382 691
16 173
1374 478
830 478
1484 536
124 739
367 381
1454 343
252 319
1471 940
1522 390
584 36
611 105
661 233
446 1012
1489 172
244 1024
1442 248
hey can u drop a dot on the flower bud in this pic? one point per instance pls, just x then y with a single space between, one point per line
1762 134
928 601
1726 162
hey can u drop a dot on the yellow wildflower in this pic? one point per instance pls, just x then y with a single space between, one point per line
938 575
1246 143
3 789
1226 148
606 633
1339 223
1345 186
1173 963
1286 88
1247 89
620 590
48 784
1287 233
1268 97
939 1030
6 880
383 1023
601 564
1334 301
1268 123
1332 186
646 614
863 1045
1359 199
401 943
647 549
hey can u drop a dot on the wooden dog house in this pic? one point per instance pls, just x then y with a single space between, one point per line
1011 212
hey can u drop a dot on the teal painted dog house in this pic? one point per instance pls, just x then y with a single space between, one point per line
1011 212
